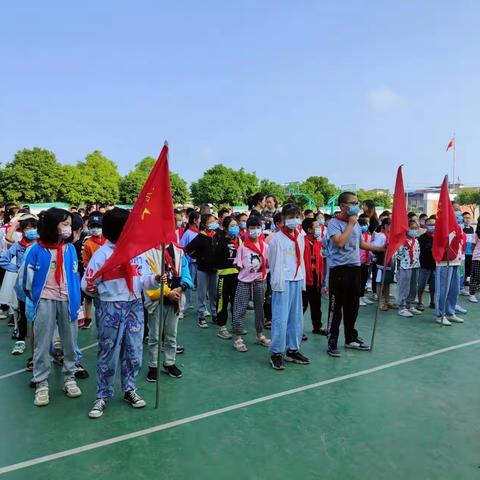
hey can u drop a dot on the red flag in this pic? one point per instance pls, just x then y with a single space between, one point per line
451 144
151 221
445 226
399 223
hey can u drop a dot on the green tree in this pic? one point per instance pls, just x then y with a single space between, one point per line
319 188
470 198
271 188
381 199
72 185
178 185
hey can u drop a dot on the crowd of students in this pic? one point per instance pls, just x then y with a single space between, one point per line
280 263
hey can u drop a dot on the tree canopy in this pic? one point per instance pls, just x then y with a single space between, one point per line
469 197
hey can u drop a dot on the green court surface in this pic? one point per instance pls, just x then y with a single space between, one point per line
414 417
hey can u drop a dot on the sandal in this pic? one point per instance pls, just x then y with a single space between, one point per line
421 307
263 341
239 345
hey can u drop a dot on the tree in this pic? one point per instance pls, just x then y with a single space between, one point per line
380 198
319 188
178 185
470 198
271 188
72 185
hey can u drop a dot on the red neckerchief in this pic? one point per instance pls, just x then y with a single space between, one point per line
323 228
126 271
366 237
180 232
313 245
98 240
411 248
259 251
294 239
25 243
59 248
193 228
209 233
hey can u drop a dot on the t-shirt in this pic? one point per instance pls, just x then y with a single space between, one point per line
349 254
470 234
426 257
250 263
53 291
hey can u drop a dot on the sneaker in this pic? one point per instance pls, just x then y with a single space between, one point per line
296 357
453 318
375 297
367 300
202 323
134 399
473 299
459 309
405 313
71 389
443 321
179 350
86 324
172 371
81 373
207 313
319 331
181 316
81 323
224 333
362 302
152 374
3 315
41 397
276 361
415 311
19 347
29 365
98 407
432 306
358 344
421 307
464 292
304 338
334 352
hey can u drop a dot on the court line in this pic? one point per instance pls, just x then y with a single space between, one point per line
16 372
219 411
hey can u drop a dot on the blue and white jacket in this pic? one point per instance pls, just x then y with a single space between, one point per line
35 272
16 251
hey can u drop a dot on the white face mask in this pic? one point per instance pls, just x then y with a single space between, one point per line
65 232
96 232
318 232
255 233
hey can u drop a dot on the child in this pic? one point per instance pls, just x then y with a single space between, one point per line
51 282
469 232
252 260
314 274
426 274
287 267
178 281
90 246
119 316
365 258
180 228
242 223
409 264
475 271
202 249
28 227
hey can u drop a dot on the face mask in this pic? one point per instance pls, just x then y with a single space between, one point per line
31 234
430 228
364 228
179 224
234 231
459 219
412 233
86 231
96 232
321 221
243 225
212 226
255 233
422 223
65 232
292 223
353 210
318 232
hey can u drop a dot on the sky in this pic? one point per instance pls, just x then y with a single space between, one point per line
286 88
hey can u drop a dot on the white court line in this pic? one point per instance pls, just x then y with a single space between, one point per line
16 372
219 411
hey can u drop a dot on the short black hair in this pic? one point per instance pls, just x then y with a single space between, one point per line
77 221
48 224
254 221
113 222
227 221
411 214
363 219
290 209
307 212
466 213
423 215
28 223
277 218
223 211
204 219
307 223
342 198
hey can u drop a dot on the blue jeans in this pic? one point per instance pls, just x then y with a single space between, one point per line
287 318
188 292
450 286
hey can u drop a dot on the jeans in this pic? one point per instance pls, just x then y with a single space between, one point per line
206 284
447 289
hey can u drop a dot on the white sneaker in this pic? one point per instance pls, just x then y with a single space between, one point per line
443 321
405 313
375 297
464 292
415 311
224 333
71 389
455 319
362 302
181 315
207 313
41 397
368 301
473 299
460 309
19 347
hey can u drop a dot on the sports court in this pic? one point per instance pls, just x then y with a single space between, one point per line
409 409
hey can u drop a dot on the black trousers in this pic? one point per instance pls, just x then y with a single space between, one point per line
267 304
227 285
365 271
374 277
313 296
468 269
22 321
345 286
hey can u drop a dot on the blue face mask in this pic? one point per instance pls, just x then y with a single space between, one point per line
213 226
353 210
321 221
255 232
412 233
234 231
243 225
292 223
430 228
318 232
364 228
459 219
31 235
179 224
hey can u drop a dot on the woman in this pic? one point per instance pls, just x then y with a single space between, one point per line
370 211
256 204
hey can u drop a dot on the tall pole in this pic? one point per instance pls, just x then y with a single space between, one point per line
454 147
382 286
160 327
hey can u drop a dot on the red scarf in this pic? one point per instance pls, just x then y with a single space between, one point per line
59 248
25 243
209 233
193 228
294 238
259 251
411 248
126 271
312 244
98 240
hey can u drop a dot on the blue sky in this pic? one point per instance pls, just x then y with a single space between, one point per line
285 88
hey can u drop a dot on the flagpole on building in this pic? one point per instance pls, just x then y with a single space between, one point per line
160 327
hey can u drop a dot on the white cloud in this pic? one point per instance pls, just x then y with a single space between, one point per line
383 99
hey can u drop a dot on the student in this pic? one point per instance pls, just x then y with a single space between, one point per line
178 281
50 280
202 249
226 246
365 258
180 227
28 227
322 224
423 221
256 204
119 316
475 272
308 213
345 274
408 257
469 232
287 268
90 246
242 223
312 295
426 274
223 213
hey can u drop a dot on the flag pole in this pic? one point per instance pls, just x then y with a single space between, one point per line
454 162
382 285
160 328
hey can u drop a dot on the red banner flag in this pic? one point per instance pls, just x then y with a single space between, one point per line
399 223
151 221
445 226
451 144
